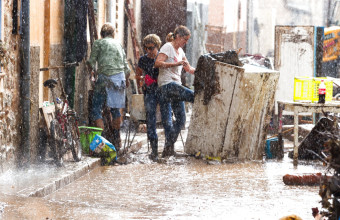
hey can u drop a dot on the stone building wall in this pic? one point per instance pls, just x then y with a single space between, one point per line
9 93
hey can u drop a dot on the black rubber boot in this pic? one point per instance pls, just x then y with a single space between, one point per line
172 150
169 150
117 142
154 147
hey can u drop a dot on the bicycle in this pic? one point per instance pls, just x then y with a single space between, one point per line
64 131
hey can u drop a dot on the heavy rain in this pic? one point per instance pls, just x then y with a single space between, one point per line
178 109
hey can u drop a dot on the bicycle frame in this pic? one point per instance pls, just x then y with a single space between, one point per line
64 130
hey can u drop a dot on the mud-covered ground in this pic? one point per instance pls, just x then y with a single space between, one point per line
176 188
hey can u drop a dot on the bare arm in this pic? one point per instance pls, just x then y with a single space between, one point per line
160 62
139 78
91 71
187 66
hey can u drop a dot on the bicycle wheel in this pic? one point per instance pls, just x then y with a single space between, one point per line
56 142
74 140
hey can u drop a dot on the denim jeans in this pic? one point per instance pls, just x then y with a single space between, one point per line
150 103
172 97
98 102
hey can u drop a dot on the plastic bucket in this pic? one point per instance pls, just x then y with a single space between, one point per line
86 136
273 149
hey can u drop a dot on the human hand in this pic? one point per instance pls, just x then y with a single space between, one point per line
93 76
127 83
186 66
179 63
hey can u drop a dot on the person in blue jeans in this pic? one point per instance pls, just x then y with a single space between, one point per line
170 61
146 76
108 56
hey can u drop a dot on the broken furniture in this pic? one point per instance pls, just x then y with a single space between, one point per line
300 107
313 144
231 109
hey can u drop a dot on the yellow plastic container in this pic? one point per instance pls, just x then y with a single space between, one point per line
306 88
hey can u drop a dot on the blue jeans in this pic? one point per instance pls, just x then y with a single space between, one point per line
150 103
98 101
172 97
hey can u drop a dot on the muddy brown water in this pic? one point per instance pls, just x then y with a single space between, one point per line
182 188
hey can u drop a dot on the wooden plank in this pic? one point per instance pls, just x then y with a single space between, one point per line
213 116
47 39
294 56
250 112
300 107
232 124
48 113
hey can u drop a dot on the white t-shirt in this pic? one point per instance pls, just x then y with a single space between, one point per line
172 74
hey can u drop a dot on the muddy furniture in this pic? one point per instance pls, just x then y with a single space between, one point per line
300 107
231 110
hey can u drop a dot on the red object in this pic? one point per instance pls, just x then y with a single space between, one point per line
304 180
322 88
322 92
315 211
149 81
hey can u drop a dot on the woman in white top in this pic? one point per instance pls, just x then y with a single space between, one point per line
170 61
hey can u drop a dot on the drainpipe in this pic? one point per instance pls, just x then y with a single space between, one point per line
109 11
47 40
25 78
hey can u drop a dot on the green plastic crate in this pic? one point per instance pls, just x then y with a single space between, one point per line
86 136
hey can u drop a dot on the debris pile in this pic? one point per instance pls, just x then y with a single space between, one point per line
231 108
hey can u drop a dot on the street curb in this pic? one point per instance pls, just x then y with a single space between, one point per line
70 173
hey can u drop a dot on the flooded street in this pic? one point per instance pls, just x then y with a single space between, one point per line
183 188
246 70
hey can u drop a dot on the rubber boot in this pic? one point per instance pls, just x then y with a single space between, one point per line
117 142
168 150
154 147
172 150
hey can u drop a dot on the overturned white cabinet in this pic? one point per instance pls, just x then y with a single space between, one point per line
231 125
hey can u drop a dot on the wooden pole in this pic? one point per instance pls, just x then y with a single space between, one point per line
47 39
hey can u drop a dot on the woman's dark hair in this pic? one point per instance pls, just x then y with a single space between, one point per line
107 30
181 30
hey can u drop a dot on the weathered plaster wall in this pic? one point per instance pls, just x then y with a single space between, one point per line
34 114
9 94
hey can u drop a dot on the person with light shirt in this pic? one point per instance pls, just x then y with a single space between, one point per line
172 95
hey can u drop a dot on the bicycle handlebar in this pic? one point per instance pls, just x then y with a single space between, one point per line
58 67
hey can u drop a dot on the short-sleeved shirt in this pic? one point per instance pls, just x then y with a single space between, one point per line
110 56
147 65
172 74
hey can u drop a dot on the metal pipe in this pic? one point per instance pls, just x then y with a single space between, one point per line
25 78
15 17
47 40
109 15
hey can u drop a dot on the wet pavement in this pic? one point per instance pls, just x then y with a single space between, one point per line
177 188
